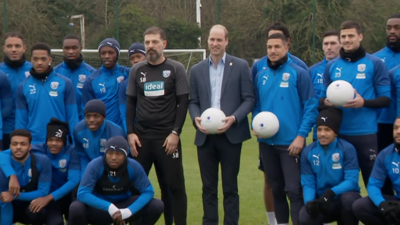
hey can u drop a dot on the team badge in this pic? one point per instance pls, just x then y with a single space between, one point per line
361 67
285 76
166 73
103 142
82 78
27 74
120 79
335 157
54 85
62 163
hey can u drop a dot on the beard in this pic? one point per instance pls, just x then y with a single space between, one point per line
154 56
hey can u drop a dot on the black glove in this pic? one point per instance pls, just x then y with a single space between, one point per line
325 200
389 210
312 208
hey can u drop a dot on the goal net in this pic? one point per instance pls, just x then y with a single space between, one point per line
188 57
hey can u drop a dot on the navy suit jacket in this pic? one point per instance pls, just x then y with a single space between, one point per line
237 96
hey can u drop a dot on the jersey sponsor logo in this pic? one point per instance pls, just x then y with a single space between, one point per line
62 163
27 74
335 157
103 87
32 89
285 76
338 72
155 88
120 79
361 67
360 76
166 73
54 85
284 84
53 93
86 144
336 166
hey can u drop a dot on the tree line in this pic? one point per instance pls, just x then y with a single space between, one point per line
49 21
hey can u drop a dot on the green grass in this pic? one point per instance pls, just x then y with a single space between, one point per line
252 209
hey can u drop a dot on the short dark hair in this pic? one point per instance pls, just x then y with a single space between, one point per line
156 30
13 34
72 36
279 26
278 36
395 16
350 25
22 133
41 46
331 33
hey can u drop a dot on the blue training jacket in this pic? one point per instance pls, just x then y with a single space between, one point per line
370 78
24 175
261 64
386 165
65 169
15 76
122 103
137 176
104 84
335 167
6 98
288 93
316 72
395 74
91 145
78 77
39 101
391 60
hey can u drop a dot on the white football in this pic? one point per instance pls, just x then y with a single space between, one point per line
265 124
211 120
339 92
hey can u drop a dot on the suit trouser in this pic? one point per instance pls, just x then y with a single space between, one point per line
169 169
283 172
368 213
22 214
340 211
82 214
215 150
56 210
367 150
385 138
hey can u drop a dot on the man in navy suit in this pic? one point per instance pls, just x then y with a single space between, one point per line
221 81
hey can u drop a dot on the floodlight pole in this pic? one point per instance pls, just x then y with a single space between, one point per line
81 18
198 17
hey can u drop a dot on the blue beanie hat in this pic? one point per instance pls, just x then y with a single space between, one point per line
95 106
117 143
110 42
136 47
